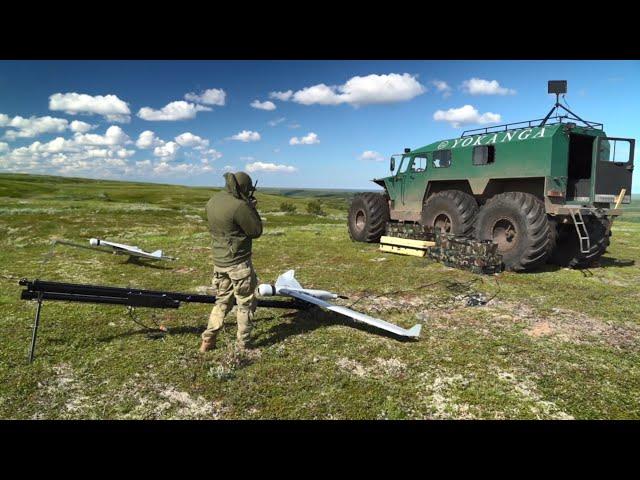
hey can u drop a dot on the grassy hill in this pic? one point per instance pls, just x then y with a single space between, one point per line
556 343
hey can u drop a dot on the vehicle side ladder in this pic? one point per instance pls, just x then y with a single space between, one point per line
581 229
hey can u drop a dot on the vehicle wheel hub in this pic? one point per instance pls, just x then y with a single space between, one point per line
361 220
504 234
443 223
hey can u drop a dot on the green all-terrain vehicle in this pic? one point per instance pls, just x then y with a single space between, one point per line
543 190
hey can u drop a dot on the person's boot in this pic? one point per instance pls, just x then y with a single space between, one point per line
245 345
208 344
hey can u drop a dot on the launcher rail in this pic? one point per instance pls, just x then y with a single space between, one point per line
41 290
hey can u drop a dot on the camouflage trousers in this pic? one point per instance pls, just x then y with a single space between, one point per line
239 281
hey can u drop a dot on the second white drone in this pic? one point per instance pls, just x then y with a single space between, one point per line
287 285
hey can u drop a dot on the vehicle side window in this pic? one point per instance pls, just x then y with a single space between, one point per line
442 158
419 164
617 150
484 154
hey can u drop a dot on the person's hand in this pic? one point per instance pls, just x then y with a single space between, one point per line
253 201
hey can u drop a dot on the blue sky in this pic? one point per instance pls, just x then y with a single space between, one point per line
335 129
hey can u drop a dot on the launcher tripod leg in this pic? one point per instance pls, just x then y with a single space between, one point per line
35 328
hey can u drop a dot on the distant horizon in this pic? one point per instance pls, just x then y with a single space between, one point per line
204 186
119 180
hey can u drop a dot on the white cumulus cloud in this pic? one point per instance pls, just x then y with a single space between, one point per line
143 163
124 153
167 151
99 156
179 110
358 91
267 105
442 87
371 155
166 169
276 121
269 167
212 153
109 106
308 139
38 150
4 147
211 96
32 126
479 86
115 155
246 136
113 136
148 139
465 115
189 140
284 96
318 94
80 127
57 145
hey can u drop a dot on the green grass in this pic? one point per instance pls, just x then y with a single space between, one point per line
552 344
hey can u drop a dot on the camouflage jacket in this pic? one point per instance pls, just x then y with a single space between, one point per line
233 223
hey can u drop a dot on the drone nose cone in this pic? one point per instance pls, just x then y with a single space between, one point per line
94 242
266 290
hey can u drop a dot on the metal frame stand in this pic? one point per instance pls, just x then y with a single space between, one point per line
35 328
555 108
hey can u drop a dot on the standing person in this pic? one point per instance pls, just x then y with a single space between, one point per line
233 222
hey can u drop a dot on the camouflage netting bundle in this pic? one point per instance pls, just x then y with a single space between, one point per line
413 231
477 256
459 251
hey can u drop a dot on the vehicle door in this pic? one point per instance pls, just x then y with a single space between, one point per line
613 169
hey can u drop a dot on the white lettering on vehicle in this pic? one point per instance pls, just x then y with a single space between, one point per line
528 131
477 142
540 134
508 136
494 139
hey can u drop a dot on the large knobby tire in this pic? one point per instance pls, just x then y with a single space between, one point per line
451 211
518 223
607 241
368 217
567 251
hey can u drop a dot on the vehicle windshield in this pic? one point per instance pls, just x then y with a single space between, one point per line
403 163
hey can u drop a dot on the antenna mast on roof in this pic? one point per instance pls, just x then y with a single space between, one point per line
559 87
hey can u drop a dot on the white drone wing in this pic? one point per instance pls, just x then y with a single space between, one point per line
131 250
361 317
286 284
